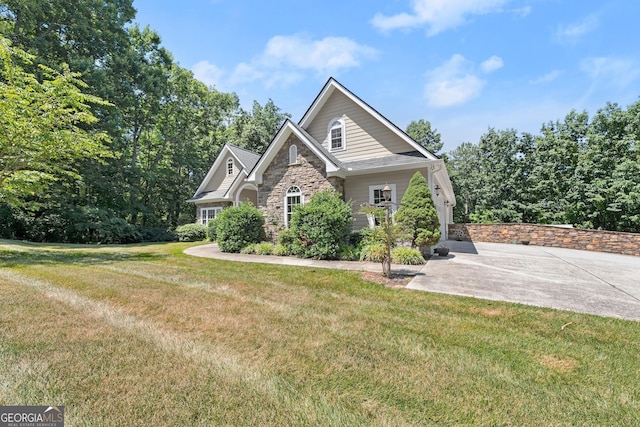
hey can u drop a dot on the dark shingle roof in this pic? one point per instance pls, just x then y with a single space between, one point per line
208 195
246 157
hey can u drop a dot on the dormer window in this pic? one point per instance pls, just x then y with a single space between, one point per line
336 135
230 167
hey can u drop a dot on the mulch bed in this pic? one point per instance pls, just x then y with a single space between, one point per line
395 281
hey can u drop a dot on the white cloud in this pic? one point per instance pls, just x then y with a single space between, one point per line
617 72
438 15
523 11
547 78
207 73
492 64
452 83
285 58
572 33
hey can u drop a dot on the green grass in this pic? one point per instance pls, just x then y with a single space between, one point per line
143 334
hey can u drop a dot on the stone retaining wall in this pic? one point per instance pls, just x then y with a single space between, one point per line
549 235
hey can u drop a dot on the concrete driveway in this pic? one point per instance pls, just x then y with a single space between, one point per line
583 281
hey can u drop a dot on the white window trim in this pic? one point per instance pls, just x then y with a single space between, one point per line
230 162
371 218
343 133
394 193
293 154
286 202
216 211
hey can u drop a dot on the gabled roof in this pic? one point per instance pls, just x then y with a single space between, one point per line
247 159
333 85
333 166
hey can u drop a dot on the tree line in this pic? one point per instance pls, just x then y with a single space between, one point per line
111 133
579 171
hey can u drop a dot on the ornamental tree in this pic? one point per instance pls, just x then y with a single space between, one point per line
417 216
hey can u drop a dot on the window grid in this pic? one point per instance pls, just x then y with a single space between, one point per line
292 199
207 214
336 135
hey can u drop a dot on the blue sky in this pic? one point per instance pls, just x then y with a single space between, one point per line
464 65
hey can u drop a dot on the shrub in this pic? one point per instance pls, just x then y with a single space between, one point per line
349 253
281 250
286 239
117 230
417 215
191 232
239 226
12 223
322 227
264 248
249 249
373 252
407 256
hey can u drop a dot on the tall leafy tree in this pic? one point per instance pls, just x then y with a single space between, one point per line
463 166
254 130
42 131
608 170
423 134
79 33
553 173
504 176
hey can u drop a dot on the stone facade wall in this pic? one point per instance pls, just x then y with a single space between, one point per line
549 235
308 173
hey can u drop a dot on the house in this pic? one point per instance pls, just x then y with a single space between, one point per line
341 142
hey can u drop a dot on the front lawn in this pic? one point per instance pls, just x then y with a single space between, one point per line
145 335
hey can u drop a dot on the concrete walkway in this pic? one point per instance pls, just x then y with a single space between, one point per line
582 281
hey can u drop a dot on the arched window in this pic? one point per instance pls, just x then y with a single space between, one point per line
292 199
293 154
230 166
336 135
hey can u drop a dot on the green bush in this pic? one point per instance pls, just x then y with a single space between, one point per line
191 232
281 250
407 256
117 230
265 248
321 227
286 239
249 249
238 227
373 252
349 253
12 224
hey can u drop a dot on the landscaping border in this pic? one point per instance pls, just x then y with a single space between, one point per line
549 235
